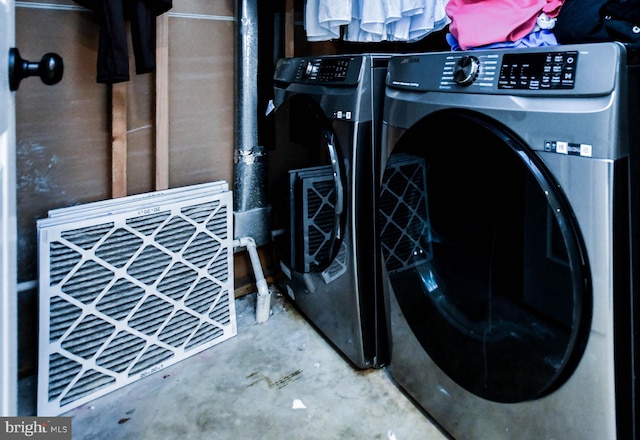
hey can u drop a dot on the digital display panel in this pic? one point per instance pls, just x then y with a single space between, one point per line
538 71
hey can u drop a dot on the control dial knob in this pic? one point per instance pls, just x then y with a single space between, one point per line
307 69
466 70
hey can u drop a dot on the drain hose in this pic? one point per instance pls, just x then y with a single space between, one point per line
263 298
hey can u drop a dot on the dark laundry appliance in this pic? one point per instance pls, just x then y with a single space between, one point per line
507 212
322 175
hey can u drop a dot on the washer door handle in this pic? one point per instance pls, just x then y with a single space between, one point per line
335 168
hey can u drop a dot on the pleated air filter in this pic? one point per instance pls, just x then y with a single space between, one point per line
313 204
404 214
129 287
313 215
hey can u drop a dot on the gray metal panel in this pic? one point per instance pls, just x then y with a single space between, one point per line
591 111
592 120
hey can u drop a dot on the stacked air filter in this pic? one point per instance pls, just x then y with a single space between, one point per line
130 286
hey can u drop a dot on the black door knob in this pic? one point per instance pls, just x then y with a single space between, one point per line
49 69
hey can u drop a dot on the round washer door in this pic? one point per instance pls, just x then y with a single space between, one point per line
307 186
484 257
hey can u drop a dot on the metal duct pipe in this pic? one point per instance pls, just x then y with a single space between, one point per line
247 75
251 212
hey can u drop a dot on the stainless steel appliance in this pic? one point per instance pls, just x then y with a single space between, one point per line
508 216
321 178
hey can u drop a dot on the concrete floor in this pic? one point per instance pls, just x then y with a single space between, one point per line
275 380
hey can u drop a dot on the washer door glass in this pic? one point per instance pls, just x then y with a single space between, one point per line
484 257
307 186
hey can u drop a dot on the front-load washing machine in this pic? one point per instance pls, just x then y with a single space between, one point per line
506 216
322 175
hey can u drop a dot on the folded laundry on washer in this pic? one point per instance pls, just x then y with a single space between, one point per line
537 38
508 23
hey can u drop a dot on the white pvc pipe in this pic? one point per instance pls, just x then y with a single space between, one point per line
263 298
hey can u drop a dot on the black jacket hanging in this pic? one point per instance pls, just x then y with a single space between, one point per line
113 54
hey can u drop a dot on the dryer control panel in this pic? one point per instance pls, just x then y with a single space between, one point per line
535 71
522 71
572 70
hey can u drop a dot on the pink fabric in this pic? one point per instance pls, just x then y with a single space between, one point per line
552 8
480 22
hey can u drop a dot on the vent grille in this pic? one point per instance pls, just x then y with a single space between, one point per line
404 214
313 206
129 287
338 266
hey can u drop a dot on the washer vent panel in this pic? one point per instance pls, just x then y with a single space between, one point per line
129 287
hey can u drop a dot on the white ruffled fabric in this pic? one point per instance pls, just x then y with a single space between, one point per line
374 20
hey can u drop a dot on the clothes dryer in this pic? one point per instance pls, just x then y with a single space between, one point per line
506 214
322 173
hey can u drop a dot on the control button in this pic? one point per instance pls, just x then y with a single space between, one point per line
562 147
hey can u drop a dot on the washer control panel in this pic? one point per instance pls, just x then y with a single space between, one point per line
536 71
324 69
